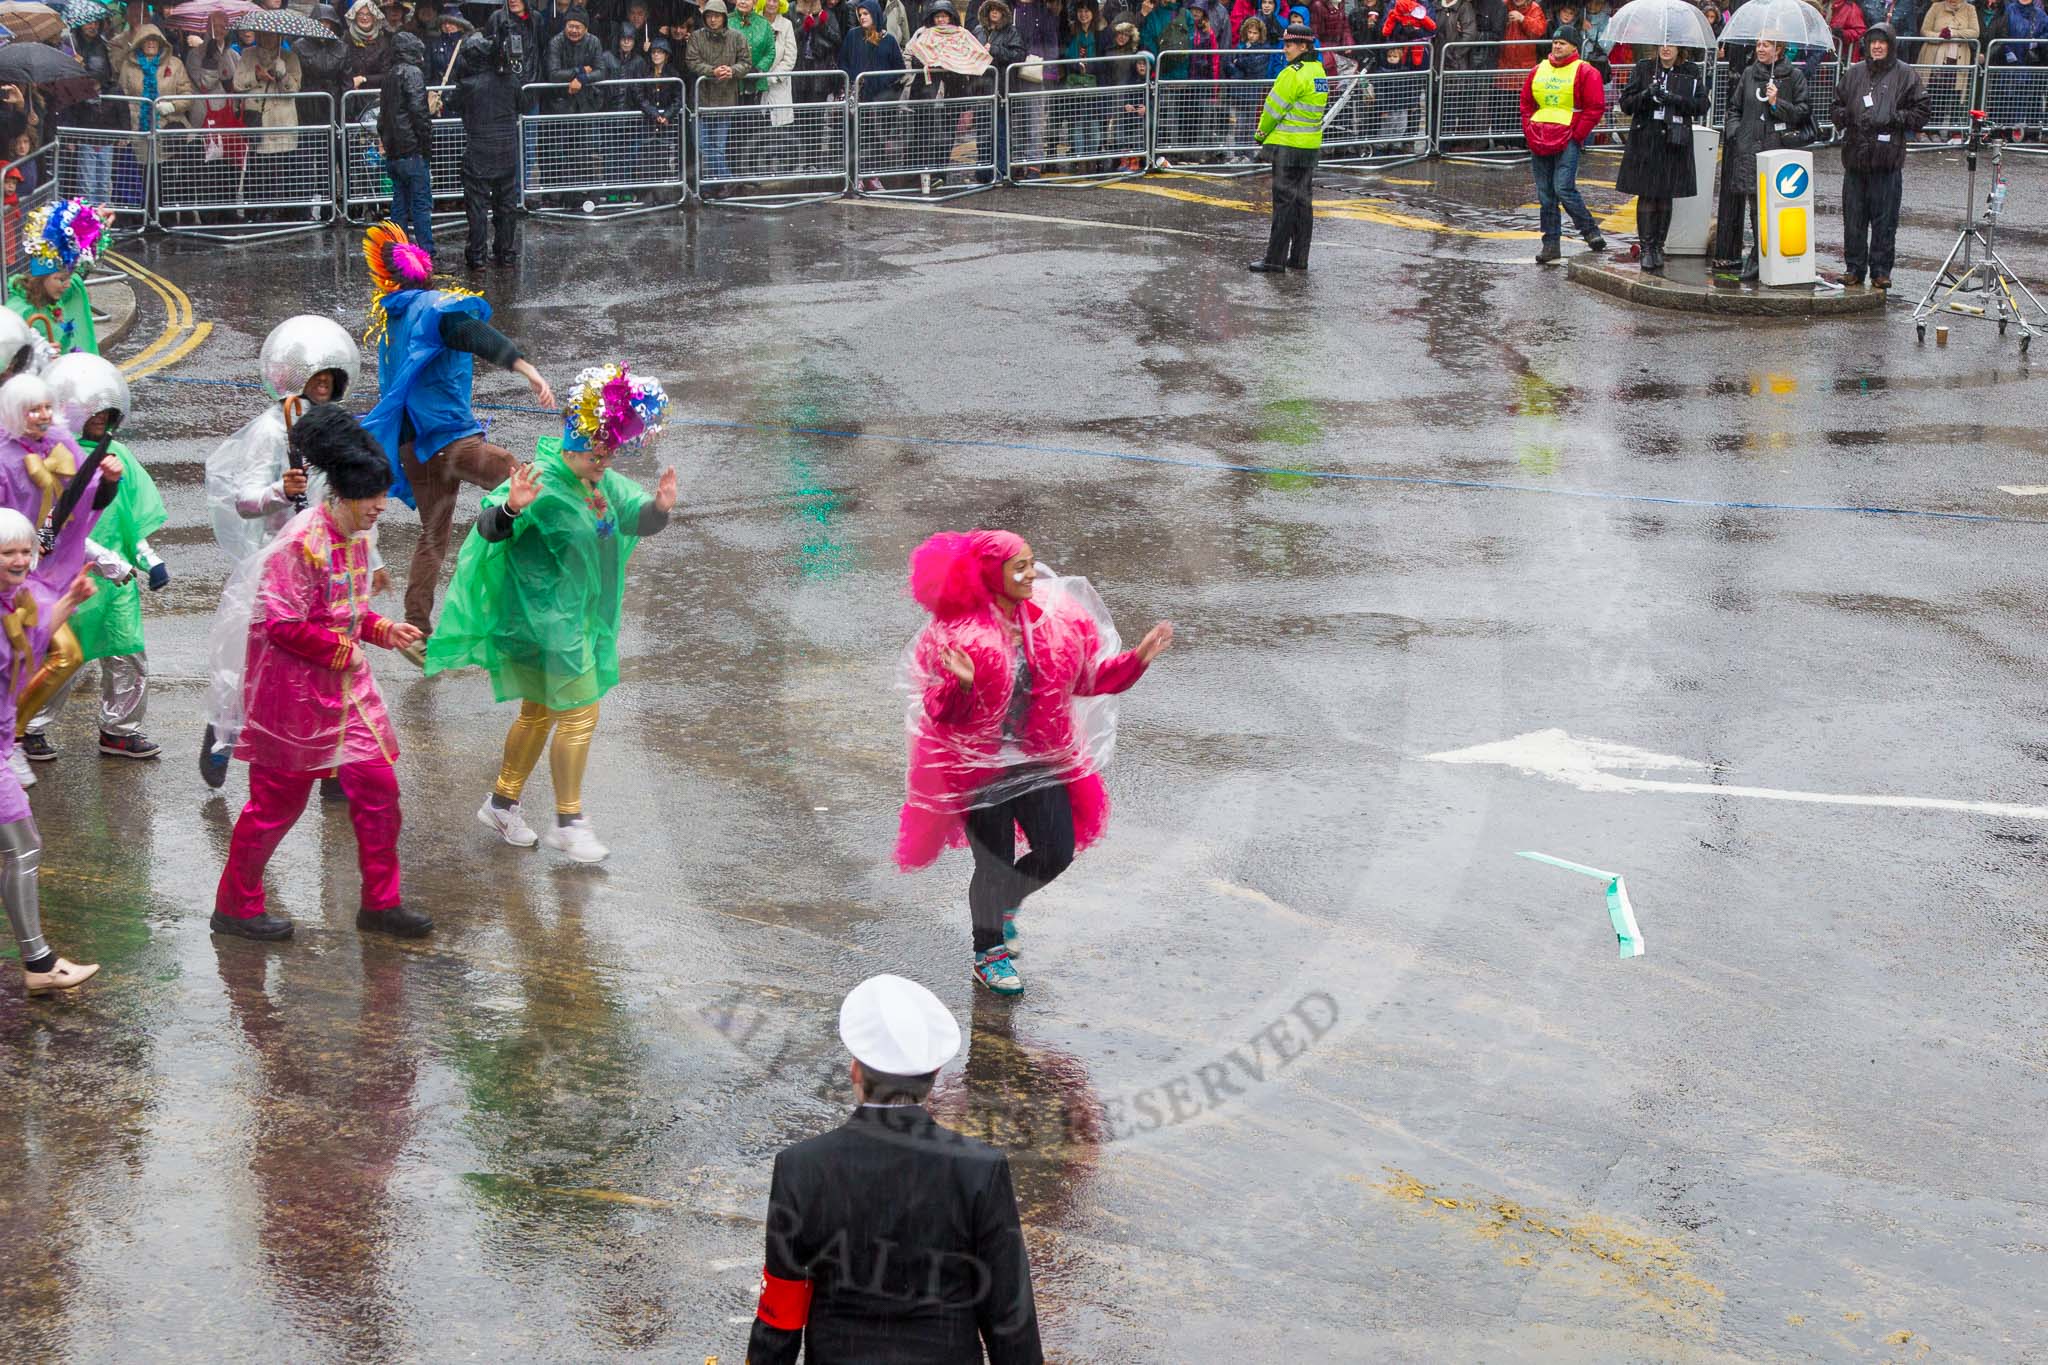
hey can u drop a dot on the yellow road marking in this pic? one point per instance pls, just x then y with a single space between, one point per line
1350 210
183 349
180 336
171 328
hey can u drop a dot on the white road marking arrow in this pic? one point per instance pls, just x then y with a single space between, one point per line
1595 765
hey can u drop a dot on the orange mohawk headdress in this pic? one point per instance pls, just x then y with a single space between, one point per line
395 263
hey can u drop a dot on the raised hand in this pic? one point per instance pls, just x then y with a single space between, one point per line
1156 641
955 661
665 491
525 487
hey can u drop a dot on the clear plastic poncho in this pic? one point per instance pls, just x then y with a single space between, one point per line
1042 710
304 723
242 496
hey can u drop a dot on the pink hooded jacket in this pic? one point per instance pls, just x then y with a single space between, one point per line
956 741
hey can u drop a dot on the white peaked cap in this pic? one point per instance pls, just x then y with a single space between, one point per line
895 1025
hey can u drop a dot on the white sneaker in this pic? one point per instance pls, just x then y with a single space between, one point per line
18 762
510 825
577 839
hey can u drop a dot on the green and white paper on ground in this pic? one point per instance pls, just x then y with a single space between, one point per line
1623 914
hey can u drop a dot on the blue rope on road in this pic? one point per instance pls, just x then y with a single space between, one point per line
1222 467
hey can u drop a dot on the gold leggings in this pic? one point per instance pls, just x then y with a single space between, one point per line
567 757
64 659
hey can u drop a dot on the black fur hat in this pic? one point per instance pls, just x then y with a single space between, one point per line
331 441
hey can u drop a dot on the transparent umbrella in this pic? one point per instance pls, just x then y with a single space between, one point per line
1793 22
1652 23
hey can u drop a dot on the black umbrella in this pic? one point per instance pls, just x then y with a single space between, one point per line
61 79
287 23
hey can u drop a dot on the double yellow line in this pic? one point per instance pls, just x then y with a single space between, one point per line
180 337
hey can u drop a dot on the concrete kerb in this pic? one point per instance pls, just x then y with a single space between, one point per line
113 309
1687 287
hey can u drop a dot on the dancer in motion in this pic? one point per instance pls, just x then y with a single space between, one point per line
1000 740
292 683
63 238
91 399
428 338
253 487
538 591
34 604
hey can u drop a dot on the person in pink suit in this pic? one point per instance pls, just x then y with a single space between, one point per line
1003 736
34 604
299 697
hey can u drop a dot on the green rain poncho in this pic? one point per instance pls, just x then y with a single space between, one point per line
540 610
71 327
109 623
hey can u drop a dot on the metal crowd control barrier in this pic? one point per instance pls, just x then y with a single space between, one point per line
930 143
1378 114
1952 90
617 160
1479 103
110 166
1085 123
2016 94
789 153
217 164
366 187
13 258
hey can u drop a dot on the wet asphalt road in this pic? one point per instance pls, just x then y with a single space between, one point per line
1310 1068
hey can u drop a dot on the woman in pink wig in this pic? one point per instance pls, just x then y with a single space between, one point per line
1011 718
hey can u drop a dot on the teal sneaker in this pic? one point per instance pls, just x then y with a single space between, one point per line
993 970
1010 933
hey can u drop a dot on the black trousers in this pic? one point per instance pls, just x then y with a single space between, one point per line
1294 212
1870 220
489 204
1001 879
1728 218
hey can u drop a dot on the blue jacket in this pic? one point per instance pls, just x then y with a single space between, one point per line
857 55
425 384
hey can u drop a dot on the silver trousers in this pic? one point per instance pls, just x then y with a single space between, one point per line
21 853
124 696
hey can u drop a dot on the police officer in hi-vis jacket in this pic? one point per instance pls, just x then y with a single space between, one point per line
1291 125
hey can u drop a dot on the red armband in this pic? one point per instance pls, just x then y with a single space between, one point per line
785 1304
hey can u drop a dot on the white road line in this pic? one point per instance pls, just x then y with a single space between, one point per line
2024 490
1586 764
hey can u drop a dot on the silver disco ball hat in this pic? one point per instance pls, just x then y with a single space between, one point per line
14 335
82 385
299 348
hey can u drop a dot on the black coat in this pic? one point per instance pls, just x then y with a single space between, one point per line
1651 165
404 125
1899 107
487 102
1755 126
908 1234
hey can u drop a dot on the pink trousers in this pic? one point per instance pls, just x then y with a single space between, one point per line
276 799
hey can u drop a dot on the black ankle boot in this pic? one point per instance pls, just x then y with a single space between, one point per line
400 921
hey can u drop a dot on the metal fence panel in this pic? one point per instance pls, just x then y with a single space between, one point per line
365 187
1478 101
1377 113
2016 94
224 171
933 142
1082 123
776 155
12 255
616 159
110 166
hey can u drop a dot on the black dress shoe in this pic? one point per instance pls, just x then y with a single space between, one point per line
1303 267
265 927
1265 268
400 921
473 262
1597 244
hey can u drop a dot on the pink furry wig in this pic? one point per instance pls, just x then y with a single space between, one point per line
956 573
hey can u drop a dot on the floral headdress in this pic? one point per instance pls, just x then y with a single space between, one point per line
611 408
396 263
63 235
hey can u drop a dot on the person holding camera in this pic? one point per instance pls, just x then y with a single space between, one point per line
486 99
1665 93
1880 105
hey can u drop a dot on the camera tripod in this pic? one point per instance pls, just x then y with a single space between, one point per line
1974 268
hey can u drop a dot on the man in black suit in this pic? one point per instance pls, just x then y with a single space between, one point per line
891 1238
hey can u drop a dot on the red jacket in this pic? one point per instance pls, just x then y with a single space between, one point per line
1327 22
1848 22
1589 103
1408 14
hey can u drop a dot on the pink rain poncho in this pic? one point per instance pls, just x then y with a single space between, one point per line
985 745
291 679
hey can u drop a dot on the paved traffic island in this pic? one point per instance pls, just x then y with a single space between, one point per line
1687 287
113 308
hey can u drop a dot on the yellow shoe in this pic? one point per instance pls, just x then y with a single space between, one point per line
63 976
